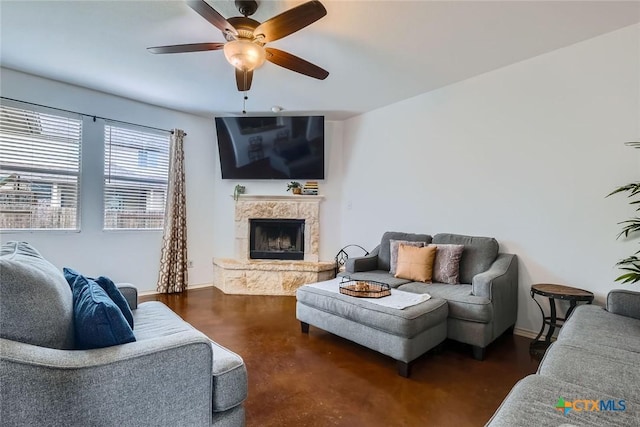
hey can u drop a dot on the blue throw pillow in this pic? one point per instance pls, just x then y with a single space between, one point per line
110 288
116 296
97 319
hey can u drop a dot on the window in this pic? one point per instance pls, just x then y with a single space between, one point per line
39 169
136 173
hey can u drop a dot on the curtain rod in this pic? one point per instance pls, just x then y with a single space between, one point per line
88 115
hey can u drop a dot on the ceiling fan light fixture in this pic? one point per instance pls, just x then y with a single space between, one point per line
244 54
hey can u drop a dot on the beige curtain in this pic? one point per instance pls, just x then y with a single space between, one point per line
173 260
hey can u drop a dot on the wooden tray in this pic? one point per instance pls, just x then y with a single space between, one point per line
365 289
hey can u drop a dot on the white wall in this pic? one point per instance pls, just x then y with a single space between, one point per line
133 256
526 154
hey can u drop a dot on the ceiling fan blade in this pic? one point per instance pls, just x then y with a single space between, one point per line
180 48
290 21
296 64
243 80
211 15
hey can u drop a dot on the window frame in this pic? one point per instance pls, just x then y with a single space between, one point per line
127 180
46 171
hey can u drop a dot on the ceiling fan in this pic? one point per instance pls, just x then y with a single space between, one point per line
246 38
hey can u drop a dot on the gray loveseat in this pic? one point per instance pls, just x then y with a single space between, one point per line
589 377
482 307
171 375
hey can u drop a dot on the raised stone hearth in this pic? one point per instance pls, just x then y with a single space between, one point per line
243 275
268 277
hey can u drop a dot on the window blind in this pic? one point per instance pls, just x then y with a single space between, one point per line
136 173
39 169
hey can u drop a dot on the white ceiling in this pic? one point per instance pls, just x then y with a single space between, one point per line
377 52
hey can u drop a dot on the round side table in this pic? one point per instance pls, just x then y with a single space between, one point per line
555 292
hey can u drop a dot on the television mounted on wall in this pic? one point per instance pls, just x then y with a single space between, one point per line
271 147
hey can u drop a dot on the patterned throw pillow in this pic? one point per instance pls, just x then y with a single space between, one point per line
393 246
416 263
446 268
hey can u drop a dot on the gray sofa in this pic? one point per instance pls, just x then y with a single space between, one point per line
591 372
171 375
481 308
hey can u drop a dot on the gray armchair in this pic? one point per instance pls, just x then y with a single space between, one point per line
171 375
482 307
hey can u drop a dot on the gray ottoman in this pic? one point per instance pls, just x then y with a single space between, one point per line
403 334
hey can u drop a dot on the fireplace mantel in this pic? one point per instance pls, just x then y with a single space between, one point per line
293 197
243 275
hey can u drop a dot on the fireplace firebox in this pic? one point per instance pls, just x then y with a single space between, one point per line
276 239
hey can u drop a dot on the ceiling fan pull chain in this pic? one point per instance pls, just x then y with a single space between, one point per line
245 97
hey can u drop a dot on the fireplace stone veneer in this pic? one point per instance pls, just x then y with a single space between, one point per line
243 275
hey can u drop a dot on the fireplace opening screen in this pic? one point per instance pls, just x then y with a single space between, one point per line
276 239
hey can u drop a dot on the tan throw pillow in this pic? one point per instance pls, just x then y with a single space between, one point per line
415 263
393 247
446 267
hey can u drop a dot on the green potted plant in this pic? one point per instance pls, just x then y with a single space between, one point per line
630 265
295 187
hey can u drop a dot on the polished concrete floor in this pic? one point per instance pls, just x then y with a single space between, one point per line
320 379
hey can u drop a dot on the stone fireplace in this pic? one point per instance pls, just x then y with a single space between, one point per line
282 252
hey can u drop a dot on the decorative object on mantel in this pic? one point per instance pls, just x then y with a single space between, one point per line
310 188
295 187
237 191
630 265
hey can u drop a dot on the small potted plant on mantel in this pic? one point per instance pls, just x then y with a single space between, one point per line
295 187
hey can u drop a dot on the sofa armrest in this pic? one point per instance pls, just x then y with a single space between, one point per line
502 274
130 293
500 284
363 263
624 303
160 381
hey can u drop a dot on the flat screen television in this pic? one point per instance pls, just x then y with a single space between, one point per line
280 147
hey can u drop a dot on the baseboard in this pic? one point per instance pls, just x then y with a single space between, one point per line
200 286
525 333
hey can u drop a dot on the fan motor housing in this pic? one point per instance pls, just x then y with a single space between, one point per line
244 26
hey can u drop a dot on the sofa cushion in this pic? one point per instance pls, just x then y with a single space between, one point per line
109 287
36 305
154 319
532 402
393 247
478 255
384 255
592 325
415 263
98 320
462 304
596 369
446 267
